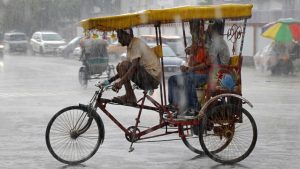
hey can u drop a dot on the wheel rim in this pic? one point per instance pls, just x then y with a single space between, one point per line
228 138
66 140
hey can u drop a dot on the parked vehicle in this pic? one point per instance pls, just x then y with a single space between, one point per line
115 50
46 42
175 42
15 42
77 51
66 50
171 61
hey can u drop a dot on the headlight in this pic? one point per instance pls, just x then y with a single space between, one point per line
1 46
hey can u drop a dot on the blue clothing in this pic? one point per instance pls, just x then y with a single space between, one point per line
182 90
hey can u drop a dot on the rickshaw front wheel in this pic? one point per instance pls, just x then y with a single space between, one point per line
74 134
231 130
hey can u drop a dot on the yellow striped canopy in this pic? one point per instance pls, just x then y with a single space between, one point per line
169 15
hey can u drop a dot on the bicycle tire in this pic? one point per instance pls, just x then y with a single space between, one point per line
224 122
192 141
62 138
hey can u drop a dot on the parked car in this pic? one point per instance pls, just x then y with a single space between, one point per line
175 42
171 61
66 50
77 51
46 42
15 42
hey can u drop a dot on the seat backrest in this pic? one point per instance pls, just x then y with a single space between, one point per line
234 60
226 78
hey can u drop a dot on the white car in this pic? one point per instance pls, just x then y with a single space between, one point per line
46 42
77 51
171 61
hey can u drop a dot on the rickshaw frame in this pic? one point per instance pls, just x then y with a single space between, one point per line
155 17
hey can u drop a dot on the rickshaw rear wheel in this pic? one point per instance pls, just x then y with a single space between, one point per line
83 77
232 127
74 134
192 142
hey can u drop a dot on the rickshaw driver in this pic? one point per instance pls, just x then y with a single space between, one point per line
142 67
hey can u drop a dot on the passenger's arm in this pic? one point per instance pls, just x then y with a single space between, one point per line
201 66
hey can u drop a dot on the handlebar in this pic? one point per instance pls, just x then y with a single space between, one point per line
107 87
104 88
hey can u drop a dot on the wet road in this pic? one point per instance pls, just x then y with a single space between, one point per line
32 89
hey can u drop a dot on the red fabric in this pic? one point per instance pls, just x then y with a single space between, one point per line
295 29
198 58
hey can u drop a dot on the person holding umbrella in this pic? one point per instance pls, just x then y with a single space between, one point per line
284 32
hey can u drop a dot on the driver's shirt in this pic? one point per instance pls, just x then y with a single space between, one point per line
148 59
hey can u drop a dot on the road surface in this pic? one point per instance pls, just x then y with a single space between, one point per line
34 88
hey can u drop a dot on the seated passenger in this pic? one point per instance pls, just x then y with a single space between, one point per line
142 67
182 87
218 50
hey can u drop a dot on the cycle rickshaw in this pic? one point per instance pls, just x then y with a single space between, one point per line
95 62
223 129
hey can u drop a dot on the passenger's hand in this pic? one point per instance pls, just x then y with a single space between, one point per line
184 68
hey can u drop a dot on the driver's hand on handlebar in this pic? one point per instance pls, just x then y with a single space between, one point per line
104 83
117 86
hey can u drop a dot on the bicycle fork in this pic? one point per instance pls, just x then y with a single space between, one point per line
134 136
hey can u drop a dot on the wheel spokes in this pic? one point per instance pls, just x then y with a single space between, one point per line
66 140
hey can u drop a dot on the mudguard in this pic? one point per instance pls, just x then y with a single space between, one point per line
205 106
